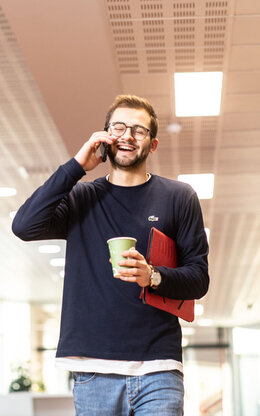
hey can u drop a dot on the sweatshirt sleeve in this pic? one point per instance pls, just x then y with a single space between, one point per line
44 215
190 280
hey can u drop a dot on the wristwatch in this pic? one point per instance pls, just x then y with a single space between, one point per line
155 278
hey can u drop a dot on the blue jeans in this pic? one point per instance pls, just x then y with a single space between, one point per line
153 394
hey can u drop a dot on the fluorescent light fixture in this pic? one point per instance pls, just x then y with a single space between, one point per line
199 309
184 342
246 341
12 214
6 191
49 248
202 183
187 330
207 231
197 93
50 308
205 322
57 262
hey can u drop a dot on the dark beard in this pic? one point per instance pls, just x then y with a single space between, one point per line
134 163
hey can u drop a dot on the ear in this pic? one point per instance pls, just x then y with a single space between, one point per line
154 144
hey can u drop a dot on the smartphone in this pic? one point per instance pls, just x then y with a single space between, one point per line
104 147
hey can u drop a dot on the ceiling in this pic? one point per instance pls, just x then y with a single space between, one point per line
61 65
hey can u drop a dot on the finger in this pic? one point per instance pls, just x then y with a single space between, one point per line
131 271
133 254
106 135
130 263
128 278
98 137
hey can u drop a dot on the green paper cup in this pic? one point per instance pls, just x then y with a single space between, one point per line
116 246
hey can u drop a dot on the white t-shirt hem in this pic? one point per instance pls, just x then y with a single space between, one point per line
127 368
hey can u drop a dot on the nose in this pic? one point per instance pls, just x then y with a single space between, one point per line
128 133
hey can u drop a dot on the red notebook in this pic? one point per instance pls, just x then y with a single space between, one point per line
161 252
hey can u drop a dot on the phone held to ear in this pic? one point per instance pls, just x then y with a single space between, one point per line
104 151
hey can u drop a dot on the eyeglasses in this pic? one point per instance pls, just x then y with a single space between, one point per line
118 129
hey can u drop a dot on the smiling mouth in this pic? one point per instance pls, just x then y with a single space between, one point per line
126 148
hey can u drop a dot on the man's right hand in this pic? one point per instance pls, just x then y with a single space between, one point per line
87 156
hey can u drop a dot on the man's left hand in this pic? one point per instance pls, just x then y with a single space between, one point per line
139 271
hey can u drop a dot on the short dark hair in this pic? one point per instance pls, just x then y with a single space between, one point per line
132 101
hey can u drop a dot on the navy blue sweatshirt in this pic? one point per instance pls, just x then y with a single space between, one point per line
103 317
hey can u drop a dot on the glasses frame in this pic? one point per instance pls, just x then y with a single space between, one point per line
131 128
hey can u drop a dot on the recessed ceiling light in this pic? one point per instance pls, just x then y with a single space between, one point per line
57 262
197 93
174 128
23 172
202 183
49 248
7 191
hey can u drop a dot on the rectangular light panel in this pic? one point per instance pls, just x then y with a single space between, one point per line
202 183
197 93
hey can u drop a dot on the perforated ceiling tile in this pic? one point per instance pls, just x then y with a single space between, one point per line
169 36
208 133
182 9
119 13
154 37
187 123
151 10
215 33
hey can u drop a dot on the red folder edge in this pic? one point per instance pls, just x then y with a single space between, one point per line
161 251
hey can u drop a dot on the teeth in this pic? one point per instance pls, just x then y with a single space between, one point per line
125 148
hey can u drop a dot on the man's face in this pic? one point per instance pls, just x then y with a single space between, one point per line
127 152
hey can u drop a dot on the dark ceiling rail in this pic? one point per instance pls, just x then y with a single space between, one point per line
207 346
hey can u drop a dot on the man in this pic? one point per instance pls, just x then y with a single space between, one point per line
125 356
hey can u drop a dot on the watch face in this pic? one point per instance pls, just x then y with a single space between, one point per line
156 279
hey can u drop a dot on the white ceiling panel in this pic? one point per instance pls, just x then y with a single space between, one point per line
246 30
244 58
248 7
243 82
242 139
241 122
242 103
